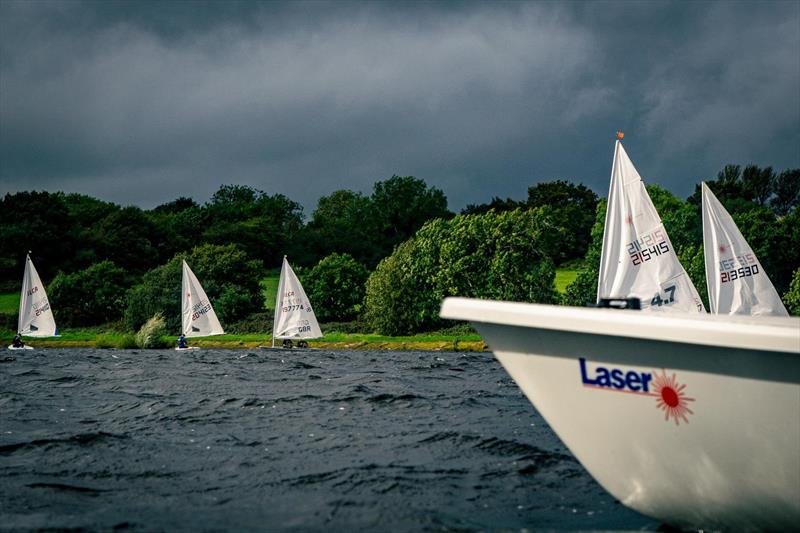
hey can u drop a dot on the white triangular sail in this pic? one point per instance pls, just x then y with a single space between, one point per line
35 316
638 259
294 316
198 317
737 283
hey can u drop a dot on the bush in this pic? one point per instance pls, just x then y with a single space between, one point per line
336 287
792 296
391 306
355 326
105 341
253 323
582 291
127 342
149 336
502 256
8 321
90 297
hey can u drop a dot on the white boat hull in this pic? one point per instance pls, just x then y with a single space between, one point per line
26 347
711 441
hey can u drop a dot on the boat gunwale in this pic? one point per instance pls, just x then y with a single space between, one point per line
774 334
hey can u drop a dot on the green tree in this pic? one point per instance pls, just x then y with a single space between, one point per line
792 296
787 191
263 226
90 297
497 204
392 300
86 213
336 286
400 206
757 183
342 223
36 221
127 238
179 224
583 291
573 209
773 241
498 256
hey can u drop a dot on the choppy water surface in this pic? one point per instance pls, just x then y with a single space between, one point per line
238 440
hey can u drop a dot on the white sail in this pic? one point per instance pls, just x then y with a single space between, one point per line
35 316
294 316
638 259
199 318
737 283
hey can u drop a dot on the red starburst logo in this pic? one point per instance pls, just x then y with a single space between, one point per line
629 219
670 397
723 248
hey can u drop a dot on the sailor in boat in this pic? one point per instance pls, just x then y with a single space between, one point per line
287 343
182 341
17 342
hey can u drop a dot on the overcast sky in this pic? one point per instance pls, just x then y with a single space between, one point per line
142 102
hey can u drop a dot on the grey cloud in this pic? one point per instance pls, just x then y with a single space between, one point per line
304 99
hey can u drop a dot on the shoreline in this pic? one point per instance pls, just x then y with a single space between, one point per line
471 343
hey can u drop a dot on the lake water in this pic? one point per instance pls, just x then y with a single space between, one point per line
278 440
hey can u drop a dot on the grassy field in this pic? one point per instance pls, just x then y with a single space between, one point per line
95 338
269 289
9 302
564 277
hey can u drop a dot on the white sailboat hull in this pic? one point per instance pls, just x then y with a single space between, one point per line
712 441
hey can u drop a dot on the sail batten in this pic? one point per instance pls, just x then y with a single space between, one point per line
197 314
35 316
637 258
737 283
294 316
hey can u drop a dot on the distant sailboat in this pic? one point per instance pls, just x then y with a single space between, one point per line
198 316
294 316
638 259
35 316
737 283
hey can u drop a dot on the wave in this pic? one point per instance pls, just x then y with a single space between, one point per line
65 487
81 439
391 398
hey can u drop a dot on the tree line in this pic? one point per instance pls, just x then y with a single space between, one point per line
387 258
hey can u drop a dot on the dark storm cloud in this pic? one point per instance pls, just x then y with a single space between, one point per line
142 102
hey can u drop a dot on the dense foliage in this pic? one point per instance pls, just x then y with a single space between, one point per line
792 296
573 209
336 287
369 227
95 295
228 277
97 258
505 256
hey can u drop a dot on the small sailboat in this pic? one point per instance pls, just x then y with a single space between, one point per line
35 316
737 283
197 315
638 259
294 316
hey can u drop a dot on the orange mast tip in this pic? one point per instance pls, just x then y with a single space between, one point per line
620 135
